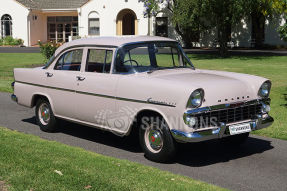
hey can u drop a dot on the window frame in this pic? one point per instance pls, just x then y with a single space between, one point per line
105 62
90 19
4 20
52 66
85 60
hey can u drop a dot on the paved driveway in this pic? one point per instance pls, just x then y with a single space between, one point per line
19 50
260 164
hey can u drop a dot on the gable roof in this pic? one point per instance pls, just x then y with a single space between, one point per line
52 4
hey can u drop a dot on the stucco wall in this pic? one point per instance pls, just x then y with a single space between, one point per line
19 16
38 27
108 11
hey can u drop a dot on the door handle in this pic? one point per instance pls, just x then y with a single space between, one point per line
49 74
79 78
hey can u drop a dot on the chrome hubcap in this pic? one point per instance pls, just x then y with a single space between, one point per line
44 114
153 138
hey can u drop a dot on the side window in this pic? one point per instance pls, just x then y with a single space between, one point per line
70 61
167 56
99 61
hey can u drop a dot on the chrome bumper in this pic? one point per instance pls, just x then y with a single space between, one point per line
219 132
14 98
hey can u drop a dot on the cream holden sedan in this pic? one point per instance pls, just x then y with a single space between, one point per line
145 85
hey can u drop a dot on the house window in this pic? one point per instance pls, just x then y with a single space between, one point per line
94 23
61 27
6 25
161 26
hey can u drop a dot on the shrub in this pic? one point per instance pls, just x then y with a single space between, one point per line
48 49
10 41
283 32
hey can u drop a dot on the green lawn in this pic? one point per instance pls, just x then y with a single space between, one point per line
274 68
10 61
30 163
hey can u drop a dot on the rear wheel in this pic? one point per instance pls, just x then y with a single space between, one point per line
156 139
45 117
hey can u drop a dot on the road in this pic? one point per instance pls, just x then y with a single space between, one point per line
260 164
19 50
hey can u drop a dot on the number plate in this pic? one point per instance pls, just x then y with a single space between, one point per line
239 129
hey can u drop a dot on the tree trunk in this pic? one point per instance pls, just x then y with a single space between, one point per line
222 38
185 35
258 29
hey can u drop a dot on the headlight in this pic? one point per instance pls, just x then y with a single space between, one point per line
195 99
264 90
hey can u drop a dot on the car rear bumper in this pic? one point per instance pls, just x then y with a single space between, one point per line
14 98
221 131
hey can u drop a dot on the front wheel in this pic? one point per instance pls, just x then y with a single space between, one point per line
45 117
156 139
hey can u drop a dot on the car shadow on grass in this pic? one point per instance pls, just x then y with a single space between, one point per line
191 154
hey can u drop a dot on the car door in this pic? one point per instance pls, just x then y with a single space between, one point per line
61 80
96 88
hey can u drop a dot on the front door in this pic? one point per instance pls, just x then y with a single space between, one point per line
96 88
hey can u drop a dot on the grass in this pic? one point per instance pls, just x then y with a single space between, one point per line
29 163
272 67
10 61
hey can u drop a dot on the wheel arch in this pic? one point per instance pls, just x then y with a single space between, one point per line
38 96
144 112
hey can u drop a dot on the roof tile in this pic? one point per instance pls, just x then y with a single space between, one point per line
52 4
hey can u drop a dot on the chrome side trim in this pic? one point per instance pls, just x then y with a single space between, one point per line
99 95
263 121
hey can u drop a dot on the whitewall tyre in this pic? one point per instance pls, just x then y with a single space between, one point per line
156 139
45 117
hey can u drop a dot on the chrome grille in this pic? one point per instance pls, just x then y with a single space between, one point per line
228 115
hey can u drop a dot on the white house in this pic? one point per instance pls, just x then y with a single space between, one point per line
45 20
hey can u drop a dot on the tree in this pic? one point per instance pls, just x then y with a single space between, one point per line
188 19
151 9
222 15
281 7
186 15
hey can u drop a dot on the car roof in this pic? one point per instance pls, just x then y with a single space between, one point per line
109 41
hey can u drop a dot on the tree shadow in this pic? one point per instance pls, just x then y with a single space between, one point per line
285 98
191 154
